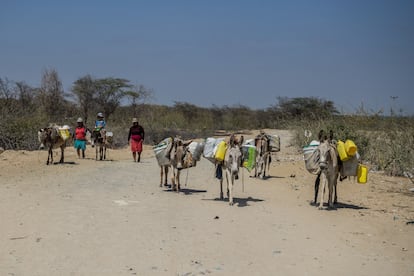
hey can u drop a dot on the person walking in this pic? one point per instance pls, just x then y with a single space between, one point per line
135 139
80 138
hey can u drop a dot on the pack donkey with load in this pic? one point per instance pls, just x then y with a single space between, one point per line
228 158
101 139
176 154
265 144
54 137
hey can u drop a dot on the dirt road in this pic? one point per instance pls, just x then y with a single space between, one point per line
89 217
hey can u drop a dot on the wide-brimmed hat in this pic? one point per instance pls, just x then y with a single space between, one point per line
79 120
134 120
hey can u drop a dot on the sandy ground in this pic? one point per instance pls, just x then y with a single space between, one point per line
88 217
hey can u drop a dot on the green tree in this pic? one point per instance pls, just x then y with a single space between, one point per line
138 94
51 96
310 108
85 89
109 92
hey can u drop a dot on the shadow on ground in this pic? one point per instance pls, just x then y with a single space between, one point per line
239 202
340 205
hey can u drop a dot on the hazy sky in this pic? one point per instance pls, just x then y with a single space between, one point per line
221 52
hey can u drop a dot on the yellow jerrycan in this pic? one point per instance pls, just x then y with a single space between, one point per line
350 147
341 151
221 151
362 174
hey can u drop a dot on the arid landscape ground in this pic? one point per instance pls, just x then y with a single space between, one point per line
87 217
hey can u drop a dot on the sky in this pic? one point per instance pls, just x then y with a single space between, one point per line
356 53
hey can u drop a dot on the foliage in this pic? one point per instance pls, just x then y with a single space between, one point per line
384 142
303 108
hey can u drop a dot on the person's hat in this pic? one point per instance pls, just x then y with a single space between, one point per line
100 115
134 120
79 120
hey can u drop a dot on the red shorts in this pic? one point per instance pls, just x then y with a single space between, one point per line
136 146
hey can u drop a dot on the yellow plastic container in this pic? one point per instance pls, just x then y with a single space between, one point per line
221 151
341 151
350 148
362 174
64 133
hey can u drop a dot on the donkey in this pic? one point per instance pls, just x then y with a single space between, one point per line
163 157
231 166
329 165
99 139
50 137
180 158
263 157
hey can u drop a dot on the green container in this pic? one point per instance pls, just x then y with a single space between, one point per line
249 157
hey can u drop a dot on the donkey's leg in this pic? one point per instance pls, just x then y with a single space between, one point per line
162 175
49 156
330 188
323 181
317 183
62 154
230 183
255 168
264 167
221 189
166 168
173 187
178 181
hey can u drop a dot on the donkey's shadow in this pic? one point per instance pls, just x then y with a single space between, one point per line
65 163
185 191
239 202
340 205
267 177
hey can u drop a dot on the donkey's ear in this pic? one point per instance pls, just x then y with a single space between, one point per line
186 143
232 140
320 135
331 135
241 140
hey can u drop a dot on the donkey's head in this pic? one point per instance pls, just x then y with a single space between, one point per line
46 136
234 159
180 149
234 154
42 135
326 150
